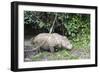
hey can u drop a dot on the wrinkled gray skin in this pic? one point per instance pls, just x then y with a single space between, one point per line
49 41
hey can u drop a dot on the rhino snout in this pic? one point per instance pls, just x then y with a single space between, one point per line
69 46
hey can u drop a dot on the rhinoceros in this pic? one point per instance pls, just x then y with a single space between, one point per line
51 40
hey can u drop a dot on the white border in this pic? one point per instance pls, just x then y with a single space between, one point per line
22 64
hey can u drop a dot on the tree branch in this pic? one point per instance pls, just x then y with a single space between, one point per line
53 23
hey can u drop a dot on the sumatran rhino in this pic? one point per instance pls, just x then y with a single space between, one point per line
49 41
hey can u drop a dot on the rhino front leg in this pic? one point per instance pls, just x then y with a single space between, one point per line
39 50
51 49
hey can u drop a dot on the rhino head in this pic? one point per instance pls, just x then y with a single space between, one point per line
66 43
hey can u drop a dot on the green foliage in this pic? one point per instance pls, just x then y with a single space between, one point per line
70 24
78 25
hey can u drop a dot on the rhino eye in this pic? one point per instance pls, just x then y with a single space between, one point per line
68 43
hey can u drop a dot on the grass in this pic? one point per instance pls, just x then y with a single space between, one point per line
60 55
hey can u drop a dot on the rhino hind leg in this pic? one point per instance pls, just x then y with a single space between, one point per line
38 50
